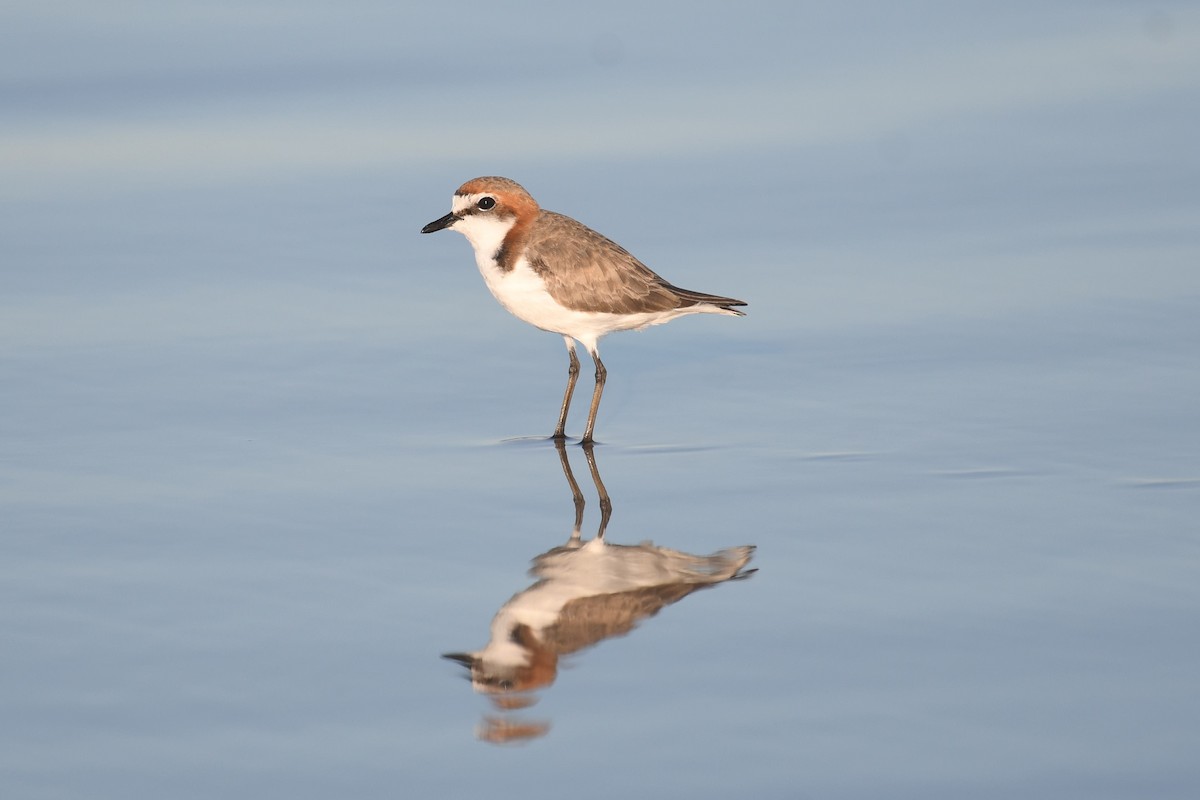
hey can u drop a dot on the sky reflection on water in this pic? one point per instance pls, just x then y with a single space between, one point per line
259 465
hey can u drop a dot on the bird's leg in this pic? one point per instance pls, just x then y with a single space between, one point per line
605 502
601 375
572 376
576 492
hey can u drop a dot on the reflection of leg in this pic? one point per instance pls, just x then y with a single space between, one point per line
601 375
576 492
572 376
605 502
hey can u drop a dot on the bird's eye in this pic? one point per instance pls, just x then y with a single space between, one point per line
486 203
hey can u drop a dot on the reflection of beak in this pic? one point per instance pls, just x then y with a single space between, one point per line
438 224
466 659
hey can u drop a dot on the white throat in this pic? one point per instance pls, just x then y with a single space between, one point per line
485 233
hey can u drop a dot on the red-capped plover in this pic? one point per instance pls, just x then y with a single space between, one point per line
561 276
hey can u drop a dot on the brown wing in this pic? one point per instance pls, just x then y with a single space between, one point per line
586 271
586 621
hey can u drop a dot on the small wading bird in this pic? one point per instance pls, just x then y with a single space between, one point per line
561 276
585 592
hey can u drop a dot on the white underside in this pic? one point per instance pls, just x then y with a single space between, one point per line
524 294
595 569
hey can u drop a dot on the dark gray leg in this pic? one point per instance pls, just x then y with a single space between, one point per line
601 375
572 376
576 493
605 502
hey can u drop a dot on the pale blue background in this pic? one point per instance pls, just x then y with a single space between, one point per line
257 468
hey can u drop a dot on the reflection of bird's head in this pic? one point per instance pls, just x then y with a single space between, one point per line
507 731
523 667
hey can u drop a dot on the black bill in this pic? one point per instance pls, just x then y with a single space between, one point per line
438 224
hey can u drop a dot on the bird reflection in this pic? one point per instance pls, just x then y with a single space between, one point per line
585 592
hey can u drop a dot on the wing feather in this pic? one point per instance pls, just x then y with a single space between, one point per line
587 271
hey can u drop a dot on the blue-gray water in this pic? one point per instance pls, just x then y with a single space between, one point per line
267 454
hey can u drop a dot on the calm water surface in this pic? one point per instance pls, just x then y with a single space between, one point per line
268 454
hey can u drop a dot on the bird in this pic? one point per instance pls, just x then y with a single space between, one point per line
561 276
587 591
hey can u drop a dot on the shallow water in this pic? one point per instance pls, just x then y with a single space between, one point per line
269 453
